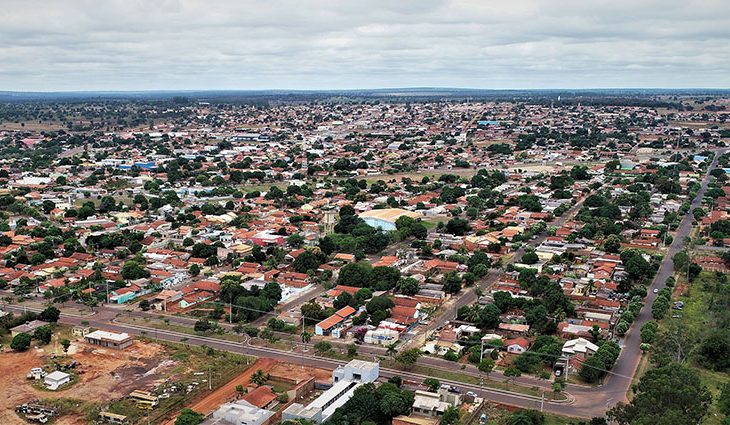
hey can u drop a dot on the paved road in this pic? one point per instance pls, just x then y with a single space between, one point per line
623 372
104 319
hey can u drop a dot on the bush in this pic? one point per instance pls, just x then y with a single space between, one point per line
323 347
203 325
189 417
451 356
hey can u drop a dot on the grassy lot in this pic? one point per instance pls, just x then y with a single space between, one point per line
162 325
697 319
195 365
474 380
497 415
89 410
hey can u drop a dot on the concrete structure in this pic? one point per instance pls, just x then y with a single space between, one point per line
381 336
346 380
357 370
81 331
385 218
329 220
435 404
109 339
240 412
54 380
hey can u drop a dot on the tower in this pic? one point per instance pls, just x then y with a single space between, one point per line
328 221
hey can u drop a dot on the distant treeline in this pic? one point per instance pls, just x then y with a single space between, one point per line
618 97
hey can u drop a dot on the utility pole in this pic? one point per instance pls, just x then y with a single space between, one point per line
542 401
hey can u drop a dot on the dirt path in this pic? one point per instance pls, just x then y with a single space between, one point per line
228 392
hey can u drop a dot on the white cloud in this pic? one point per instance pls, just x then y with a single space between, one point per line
185 44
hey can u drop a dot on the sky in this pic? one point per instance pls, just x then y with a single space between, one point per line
72 45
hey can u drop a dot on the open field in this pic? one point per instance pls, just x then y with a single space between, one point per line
105 377
102 375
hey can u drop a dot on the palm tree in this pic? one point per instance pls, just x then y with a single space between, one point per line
259 377
590 287
391 349
472 315
306 337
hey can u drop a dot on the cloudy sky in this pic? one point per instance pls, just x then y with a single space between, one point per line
58 45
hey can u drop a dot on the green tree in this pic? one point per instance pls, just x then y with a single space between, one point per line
352 351
432 384
486 365
451 283
451 416
65 343
408 358
259 377
530 257
189 417
681 261
671 394
20 342
526 417
50 314
133 270
612 244
308 260
43 334
489 316
723 400
323 347
408 286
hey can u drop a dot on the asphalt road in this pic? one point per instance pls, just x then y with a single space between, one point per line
619 381
104 320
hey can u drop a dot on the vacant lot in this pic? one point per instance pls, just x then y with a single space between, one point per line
101 375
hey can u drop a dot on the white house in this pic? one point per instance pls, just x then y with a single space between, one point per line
55 379
517 345
579 347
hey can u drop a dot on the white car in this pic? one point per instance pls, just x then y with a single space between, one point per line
471 394
656 291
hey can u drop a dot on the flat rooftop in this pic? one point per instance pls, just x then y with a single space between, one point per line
108 336
389 214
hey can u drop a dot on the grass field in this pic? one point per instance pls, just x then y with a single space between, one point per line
195 365
697 319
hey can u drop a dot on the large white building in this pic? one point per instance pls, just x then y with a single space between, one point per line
346 379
